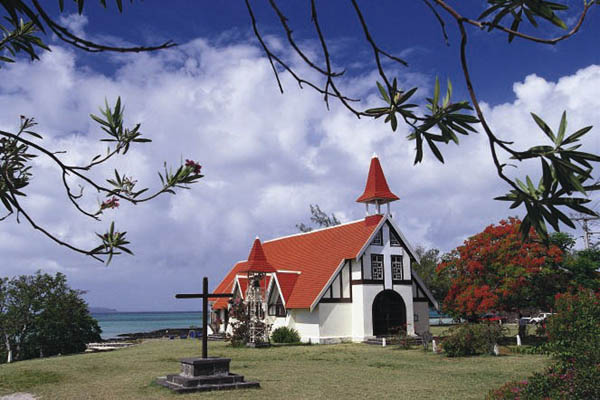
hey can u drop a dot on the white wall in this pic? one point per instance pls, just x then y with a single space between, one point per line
335 320
306 323
362 306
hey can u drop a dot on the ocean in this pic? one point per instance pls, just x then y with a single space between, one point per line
115 323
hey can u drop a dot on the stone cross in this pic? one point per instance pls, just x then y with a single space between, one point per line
204 296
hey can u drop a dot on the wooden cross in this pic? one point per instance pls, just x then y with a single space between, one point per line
204 296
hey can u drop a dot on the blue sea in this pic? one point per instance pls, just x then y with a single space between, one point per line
115 323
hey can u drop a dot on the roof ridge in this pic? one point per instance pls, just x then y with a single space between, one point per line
314 230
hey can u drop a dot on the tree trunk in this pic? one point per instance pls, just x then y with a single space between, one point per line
8 349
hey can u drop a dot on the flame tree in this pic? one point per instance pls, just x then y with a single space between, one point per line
495 271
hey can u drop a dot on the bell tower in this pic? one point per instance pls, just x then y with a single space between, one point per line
376 190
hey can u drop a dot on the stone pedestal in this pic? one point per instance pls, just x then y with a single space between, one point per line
204 374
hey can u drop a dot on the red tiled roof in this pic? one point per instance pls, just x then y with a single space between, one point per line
257 261
376 187
287 281
316 255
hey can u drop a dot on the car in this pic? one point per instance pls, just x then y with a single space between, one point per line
489 317
541 317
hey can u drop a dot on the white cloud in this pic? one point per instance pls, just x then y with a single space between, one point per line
266 157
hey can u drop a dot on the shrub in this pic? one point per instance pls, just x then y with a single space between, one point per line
574 330
572 340
285 335
472 339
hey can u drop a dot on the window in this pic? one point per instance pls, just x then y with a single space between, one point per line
377 267
276 307
378 239
397 271
277 310
394 239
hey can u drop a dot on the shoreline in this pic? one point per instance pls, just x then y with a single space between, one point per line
156 334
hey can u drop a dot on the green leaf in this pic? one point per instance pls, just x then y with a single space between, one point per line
564 219
436 92
561 130
540 122
383 93
435 151
575 136
393 121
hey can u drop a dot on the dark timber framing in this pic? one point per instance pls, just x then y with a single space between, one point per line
328 296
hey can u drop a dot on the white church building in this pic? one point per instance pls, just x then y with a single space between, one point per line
348 282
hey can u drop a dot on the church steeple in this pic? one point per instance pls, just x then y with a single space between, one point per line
376 190
257 260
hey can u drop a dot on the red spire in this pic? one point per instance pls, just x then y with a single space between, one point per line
257 260
376 187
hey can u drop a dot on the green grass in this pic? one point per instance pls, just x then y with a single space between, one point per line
349 371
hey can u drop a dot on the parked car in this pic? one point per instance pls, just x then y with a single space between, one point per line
493 318
541 317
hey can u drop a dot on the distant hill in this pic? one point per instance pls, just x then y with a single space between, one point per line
101 310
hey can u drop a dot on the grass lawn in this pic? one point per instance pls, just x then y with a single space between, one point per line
350 371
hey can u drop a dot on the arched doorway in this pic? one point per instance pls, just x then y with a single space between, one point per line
389 313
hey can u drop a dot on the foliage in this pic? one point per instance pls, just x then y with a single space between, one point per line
494 271
40 315
564 169
438 284
320 218
574 330
239 321
573 341
403 339
581 268
24 26
283 334
472 339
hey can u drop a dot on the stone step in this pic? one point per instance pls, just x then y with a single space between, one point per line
393 340
205 388
187 381
217 337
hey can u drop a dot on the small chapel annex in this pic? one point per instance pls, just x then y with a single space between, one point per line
348 282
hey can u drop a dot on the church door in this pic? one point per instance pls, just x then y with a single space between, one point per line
389 313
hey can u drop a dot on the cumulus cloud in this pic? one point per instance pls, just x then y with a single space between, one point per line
266 156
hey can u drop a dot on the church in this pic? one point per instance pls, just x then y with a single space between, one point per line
348 282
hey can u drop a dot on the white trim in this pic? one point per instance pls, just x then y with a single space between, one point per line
403 239
278 288
368 242
329 282
284 271
425 289
237 282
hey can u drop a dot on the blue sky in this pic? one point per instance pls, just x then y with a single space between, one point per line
267 156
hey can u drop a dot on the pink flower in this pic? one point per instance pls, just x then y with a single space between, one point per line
110 203
193 165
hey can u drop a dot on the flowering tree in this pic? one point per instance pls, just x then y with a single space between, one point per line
495 270
22 28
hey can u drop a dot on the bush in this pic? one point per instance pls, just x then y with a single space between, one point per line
572 340
574 330
472 339
554 383
285 335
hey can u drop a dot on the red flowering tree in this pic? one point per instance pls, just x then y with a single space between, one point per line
496 271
